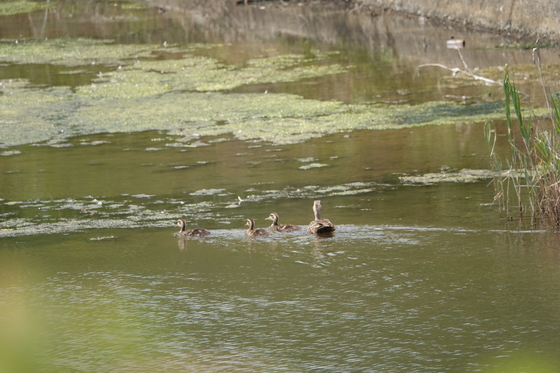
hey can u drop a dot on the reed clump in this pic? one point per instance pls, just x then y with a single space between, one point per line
531 179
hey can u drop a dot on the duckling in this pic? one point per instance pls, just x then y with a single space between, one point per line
198 232
251 232
319 225
281 227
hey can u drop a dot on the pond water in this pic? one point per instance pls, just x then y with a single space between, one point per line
120 118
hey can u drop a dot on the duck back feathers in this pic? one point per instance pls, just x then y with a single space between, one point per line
197 232
281 227
252 232
319 225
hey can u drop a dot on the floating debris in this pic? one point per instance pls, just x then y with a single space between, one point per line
102 238
312 165
453 43
207 192
463 176
306 160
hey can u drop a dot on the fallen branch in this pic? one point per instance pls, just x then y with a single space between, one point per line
456 70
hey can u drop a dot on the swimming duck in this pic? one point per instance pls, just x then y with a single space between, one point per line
198 232
251 232
453 43
319 225
281 227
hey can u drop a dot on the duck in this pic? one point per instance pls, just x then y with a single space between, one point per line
197 232
319 225
252 232
281 227
453 43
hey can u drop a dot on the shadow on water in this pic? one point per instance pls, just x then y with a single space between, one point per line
120 118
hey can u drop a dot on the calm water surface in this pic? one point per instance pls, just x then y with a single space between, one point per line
419 277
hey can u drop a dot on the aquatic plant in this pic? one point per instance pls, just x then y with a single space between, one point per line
532 175
190 96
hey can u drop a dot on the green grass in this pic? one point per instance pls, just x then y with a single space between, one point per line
531 176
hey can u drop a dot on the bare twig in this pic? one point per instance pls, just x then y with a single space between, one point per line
456 70
462 59
467 71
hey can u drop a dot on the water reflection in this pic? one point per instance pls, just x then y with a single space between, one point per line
390 297
182 243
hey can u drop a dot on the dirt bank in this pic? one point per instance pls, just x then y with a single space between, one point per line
522 19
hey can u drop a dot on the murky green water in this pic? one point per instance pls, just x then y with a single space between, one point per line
106 144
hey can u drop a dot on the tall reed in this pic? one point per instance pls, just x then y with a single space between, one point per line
532 175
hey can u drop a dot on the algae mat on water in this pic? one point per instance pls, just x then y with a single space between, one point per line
21 7
188 96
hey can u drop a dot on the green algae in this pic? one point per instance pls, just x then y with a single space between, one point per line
8 8
142 69
197 73
28 114
72 52
32 115
134 6
185 96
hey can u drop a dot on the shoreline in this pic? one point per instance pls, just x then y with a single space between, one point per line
535 22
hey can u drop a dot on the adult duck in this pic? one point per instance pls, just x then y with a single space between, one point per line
281 227
453 43
319 225
197 232
252 232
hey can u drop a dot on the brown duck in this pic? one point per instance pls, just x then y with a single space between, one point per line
197 232
252 232
319 225
281 227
